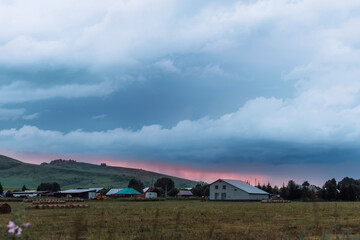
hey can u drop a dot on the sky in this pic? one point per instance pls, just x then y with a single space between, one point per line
265 89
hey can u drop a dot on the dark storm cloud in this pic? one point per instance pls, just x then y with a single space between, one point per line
215 84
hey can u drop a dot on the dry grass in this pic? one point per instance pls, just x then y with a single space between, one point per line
195 220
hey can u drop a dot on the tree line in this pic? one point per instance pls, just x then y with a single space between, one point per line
348 189
166 186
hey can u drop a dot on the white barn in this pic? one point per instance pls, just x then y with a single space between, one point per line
235 190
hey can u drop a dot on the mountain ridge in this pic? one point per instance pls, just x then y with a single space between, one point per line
73 174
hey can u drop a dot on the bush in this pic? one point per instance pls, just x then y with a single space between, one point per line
51 187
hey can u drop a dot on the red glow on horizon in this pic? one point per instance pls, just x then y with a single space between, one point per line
186 172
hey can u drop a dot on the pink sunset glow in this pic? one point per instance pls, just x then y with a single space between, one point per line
187 172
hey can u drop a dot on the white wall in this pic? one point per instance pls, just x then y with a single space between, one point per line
151 195
232 193
92 195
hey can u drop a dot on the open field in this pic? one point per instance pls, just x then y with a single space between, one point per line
194 220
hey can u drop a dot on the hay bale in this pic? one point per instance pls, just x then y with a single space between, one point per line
5 208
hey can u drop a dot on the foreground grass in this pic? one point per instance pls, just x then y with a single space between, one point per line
195 220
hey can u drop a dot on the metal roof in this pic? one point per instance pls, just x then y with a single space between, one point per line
96 189
185 193
113 191
30 192
243 186
130 191
72 191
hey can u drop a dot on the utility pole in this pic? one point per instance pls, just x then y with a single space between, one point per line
165 190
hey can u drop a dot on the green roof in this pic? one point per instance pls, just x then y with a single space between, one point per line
130 191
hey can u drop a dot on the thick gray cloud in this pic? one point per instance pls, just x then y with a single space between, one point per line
246 82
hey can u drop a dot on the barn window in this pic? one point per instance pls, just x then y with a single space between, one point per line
235 189
216 187
224 186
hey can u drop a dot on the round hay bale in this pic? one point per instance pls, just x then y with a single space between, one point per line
5 208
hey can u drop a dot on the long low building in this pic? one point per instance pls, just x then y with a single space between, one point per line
78 193
28 194
235 190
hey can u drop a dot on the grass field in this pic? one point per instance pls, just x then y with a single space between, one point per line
195 220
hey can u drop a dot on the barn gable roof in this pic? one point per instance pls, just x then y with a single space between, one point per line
74 191
243 186
113 191
127 191
185 193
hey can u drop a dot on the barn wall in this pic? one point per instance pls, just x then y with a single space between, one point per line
259 197
232 193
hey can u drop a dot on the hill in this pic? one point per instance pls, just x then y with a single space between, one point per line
73 174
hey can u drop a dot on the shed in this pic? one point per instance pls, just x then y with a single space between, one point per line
184 193
236 190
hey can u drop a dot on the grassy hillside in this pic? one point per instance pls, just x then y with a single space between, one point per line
14 173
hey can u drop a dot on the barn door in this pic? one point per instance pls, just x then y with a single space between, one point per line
223 196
